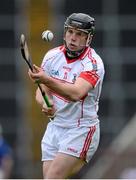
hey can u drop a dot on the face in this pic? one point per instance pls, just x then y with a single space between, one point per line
75 39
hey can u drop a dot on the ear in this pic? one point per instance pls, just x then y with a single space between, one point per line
89 40
64 36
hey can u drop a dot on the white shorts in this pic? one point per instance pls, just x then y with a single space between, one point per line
81 142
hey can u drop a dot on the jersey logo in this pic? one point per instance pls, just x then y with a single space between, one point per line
54 72
74 77
94 64
72 150
65 75
66 70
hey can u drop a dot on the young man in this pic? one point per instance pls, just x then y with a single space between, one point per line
72 76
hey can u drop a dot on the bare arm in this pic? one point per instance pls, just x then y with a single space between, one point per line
48 111
73 92
39 98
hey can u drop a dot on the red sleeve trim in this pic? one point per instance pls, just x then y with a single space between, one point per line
90 76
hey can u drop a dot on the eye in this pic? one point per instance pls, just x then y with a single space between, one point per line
79 33
70 31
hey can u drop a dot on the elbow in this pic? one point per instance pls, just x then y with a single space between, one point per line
74 97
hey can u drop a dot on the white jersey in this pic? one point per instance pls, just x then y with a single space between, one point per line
88 66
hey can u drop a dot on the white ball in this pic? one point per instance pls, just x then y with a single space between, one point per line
47 35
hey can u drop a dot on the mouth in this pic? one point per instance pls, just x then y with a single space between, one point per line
72 46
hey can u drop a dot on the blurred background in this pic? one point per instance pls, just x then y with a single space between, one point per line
115 41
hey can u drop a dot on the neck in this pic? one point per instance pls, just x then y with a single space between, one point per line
74 54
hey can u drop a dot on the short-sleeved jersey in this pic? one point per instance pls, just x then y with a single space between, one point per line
88 66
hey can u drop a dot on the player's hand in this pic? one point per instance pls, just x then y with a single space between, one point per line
38 75
48 111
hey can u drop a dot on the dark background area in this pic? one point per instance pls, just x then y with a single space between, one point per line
115 42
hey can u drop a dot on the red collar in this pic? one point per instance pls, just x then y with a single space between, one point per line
82 55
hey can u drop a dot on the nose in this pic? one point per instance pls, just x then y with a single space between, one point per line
73 36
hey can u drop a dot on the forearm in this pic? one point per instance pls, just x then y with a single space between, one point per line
72 92
39 97
48 111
